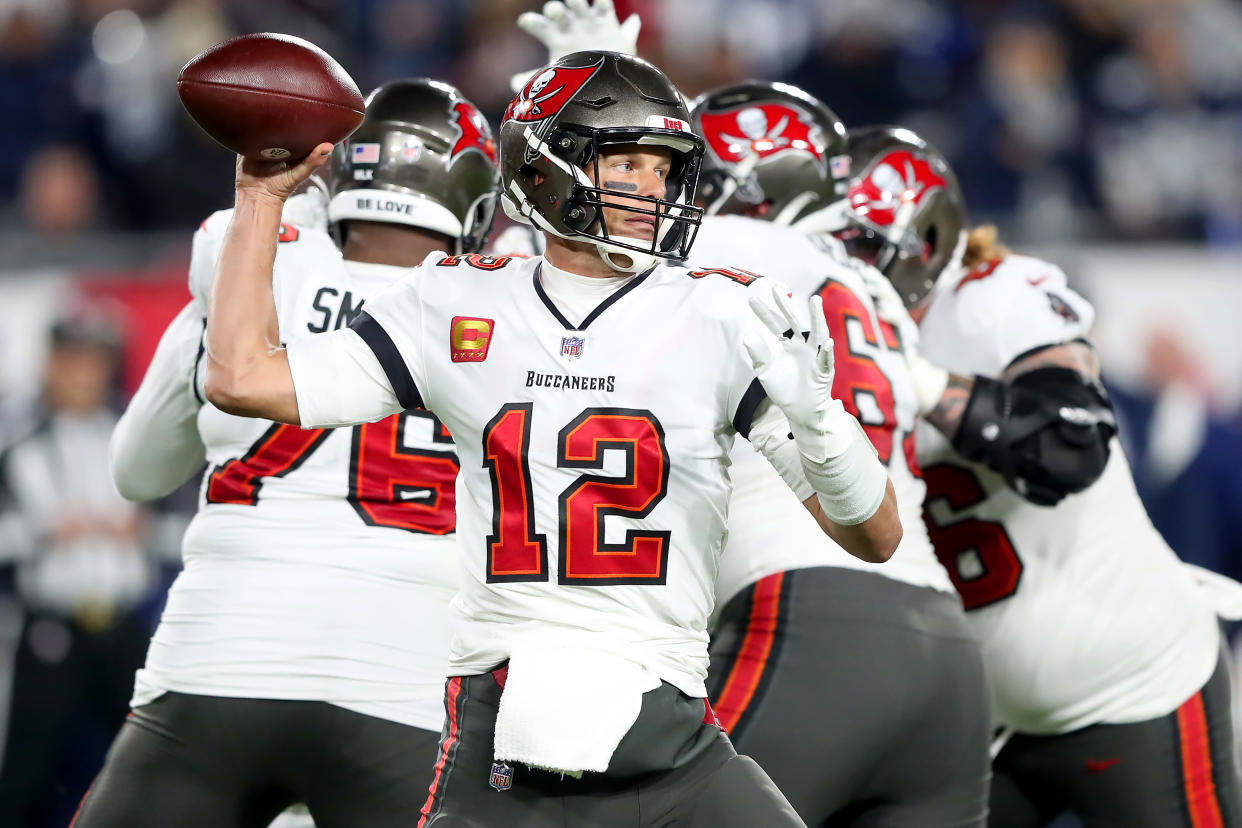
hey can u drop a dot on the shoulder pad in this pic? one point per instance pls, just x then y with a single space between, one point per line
205 251
1013 269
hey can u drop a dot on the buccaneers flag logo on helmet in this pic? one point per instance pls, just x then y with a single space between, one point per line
762 130
896 179
473 133
548 91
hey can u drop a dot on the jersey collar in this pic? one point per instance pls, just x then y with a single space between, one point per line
608 301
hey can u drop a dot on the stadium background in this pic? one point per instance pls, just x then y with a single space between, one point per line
1104 134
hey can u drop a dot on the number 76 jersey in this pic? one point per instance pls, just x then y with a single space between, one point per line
320 563
593 456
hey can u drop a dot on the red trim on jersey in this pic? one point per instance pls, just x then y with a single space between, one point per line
1201 802
752 660
709 715
982 271
450 702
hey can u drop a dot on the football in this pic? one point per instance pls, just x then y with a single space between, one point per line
270 96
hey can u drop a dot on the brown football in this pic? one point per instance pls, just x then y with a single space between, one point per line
270 96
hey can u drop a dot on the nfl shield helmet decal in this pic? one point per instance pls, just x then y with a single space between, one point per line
571 347
502 776
411 149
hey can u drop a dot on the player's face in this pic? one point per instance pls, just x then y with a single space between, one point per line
629 168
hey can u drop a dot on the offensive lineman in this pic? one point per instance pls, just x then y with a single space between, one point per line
1103 654
302 653
808 637
593 394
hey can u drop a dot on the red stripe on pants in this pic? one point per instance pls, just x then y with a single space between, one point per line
453 691
752 659
1200 790
78 812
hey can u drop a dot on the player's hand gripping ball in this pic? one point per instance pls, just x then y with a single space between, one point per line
270 97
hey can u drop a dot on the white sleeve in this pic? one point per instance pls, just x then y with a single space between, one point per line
1041 315
850 484
769 434
204 251
156 446
339 381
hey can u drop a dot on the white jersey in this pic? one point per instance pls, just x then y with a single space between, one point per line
769 530
1084 613
321 563
603 445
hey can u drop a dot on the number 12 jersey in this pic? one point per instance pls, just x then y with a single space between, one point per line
593 487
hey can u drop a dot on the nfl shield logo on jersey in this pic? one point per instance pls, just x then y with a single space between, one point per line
571 347
502 776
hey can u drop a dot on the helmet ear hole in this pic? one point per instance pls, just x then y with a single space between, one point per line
580 216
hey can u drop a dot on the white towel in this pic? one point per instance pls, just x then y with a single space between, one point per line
565 706
1224 593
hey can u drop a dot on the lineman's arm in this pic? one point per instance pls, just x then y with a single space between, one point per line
1045 425
156 446
945 413
575 26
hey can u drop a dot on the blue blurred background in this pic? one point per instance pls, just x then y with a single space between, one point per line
1104 134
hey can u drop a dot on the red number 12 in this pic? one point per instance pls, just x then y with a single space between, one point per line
515 552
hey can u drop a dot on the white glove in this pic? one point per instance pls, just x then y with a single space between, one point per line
797 379
838 461
575 26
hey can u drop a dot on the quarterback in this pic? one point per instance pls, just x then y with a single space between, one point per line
807 636
593 394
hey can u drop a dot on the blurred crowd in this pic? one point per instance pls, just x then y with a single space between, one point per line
1065 119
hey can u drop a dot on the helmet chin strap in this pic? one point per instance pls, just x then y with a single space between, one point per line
628 261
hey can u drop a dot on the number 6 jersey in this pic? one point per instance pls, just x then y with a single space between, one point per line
1084 613
321 563
593 486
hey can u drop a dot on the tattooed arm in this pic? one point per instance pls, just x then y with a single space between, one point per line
946 414
1077 355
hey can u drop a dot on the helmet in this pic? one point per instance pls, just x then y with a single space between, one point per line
770 143
555 128
423 156
905 211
